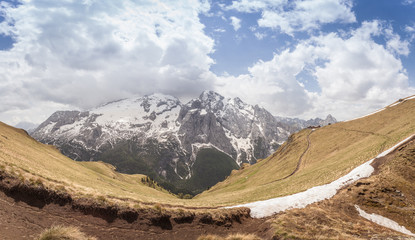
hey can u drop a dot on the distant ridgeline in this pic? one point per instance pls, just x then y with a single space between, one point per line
185 148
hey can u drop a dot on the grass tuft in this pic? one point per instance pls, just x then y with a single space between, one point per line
158 208
102 200
60 232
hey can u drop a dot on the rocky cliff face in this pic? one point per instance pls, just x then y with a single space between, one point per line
159 136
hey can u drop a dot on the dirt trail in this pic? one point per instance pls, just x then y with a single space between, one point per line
25 213
300 159
308 147
389 192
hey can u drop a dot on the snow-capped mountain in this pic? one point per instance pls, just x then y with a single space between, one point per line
298 124
159 136
243 131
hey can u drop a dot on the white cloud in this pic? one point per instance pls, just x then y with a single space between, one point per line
355 74
250 6
260 36
73 54
80 54
408 2
219 30
410 29
235 22
394 44
360 75
272 84
298 15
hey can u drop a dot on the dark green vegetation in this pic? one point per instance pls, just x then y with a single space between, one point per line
211 166
315 156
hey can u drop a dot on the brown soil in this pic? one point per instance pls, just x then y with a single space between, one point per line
389 192
26 210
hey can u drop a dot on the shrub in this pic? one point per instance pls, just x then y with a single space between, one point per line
101 199
39 182
61 188
158 208
60 232
187 196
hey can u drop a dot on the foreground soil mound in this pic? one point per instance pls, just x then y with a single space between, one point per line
27 209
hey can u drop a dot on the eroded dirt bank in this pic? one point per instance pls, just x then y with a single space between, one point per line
25 211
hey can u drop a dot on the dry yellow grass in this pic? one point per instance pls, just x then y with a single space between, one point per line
29 159
63 233
388 193
333 152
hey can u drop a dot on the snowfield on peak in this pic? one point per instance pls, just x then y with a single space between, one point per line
161 135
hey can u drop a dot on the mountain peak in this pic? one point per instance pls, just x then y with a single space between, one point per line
209 96
160 96
330 119
162 136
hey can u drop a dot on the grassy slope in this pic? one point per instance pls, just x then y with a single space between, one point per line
389 192
24 156
334 151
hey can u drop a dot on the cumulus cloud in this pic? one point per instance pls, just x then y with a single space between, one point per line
83 53
272 84
298 15
235 22
250 6
353 72
78 54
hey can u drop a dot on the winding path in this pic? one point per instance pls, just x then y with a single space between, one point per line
300 159
308 147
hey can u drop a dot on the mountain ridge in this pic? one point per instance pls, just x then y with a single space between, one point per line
159 136
332 151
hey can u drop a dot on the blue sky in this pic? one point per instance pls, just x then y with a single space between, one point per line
238 50
296 58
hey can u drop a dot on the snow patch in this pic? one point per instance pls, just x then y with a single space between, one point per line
197 146
269 207
383 221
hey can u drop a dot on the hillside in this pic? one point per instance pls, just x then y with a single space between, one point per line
309 158
161 137
331 152
23 156
40 188
388 193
